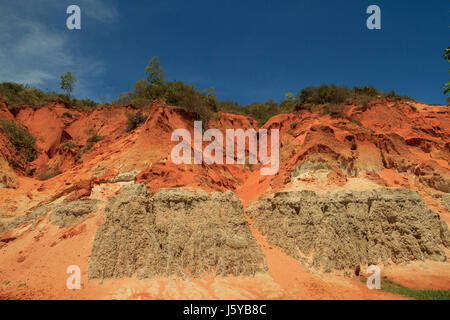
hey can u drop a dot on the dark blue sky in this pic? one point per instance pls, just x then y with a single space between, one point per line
250 51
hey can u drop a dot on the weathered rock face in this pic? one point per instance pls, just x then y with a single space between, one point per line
124 177
343 229
66 214
20 220
174 232
63 214
8 178
445 200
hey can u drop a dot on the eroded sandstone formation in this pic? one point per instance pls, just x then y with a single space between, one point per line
174 232
343 229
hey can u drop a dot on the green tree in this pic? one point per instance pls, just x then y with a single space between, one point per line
67 82
447 57
155 73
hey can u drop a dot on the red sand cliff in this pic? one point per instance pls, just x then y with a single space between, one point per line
404 144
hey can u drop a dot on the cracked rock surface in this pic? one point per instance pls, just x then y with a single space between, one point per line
174 232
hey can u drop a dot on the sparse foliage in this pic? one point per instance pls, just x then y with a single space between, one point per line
21 139
18 95
447 58
92 140
176 93
134 120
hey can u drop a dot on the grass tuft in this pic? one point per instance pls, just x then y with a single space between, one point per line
417 294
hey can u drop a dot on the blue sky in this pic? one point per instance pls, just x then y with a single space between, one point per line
250 51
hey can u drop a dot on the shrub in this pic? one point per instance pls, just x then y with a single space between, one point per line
230 107
17 94
300 107
261 112
21 139
367 91
134 120
324 94
176 93
333 94
194 101
68 145
92 140
446 57
392 95
363 102
83 104
331 109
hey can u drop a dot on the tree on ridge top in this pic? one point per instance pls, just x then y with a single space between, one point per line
154 71
67 82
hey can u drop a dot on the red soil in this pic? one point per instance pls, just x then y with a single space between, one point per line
403 144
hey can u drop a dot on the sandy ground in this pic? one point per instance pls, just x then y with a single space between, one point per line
35 268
